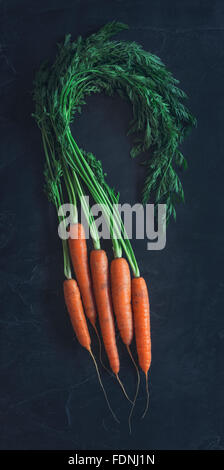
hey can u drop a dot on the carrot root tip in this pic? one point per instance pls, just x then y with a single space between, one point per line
137 388
147 396
101 384
123 389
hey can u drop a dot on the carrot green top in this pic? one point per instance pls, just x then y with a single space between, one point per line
160 120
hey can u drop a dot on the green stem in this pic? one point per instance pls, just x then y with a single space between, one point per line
58 203
71 192
101 197
88 213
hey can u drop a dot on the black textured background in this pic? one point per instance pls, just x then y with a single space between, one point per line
50 397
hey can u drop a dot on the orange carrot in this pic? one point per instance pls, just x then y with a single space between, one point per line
100 277
141 311
78 319
121 296
79 256
75 310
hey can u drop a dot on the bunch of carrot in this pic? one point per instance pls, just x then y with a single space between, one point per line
160 121
97 290
92 65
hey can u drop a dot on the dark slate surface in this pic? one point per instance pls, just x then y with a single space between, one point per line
50 397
